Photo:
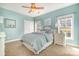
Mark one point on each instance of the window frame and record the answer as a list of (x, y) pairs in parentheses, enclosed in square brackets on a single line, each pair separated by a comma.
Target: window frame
[(72, 24)]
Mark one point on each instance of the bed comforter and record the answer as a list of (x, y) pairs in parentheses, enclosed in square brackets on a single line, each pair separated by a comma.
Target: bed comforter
[(36, 40)]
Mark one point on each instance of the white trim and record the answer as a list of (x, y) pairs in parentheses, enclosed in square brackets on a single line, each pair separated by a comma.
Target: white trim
[(12, 40), (74, 45)]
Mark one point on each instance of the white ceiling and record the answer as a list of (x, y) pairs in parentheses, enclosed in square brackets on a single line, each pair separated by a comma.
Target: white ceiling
[(48, 7)]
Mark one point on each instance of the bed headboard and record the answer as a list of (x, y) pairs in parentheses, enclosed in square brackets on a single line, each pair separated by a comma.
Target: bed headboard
[(46, 26), (48, 29)]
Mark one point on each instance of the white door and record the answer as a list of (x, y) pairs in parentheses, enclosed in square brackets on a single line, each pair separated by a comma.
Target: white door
[(28, 26)]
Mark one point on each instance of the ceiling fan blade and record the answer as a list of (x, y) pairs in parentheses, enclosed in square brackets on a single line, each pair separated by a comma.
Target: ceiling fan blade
[(39, 7), (26, 7)]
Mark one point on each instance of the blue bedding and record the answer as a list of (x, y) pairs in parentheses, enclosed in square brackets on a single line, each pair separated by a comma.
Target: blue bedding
[(36, 40)]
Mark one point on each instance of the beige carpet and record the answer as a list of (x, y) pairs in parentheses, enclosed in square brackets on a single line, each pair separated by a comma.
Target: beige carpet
[(18, 49)]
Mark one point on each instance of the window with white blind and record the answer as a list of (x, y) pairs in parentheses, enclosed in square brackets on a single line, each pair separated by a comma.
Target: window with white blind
[(65, 24)]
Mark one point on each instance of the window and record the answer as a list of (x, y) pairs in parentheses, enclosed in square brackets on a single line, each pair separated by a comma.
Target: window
[(28, 26), (38, 27), (65, 24)]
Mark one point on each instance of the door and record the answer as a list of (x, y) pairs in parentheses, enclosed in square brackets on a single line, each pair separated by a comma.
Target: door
[(28, 26)]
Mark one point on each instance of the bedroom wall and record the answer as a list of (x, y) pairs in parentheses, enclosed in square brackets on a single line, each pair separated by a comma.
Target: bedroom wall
[(0, 23), (13, 33), (0, 27), (67, 10)]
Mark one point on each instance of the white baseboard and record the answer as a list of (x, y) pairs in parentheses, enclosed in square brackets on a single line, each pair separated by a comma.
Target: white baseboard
[(12, 40), (74, 45)]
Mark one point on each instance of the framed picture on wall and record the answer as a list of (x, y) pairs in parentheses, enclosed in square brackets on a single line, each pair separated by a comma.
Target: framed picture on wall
[(10, 23)]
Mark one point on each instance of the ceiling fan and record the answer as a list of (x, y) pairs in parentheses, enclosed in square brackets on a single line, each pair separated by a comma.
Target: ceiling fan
[(33, 7)]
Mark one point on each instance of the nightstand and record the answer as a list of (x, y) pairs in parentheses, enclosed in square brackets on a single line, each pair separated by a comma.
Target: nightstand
[(59, 38)]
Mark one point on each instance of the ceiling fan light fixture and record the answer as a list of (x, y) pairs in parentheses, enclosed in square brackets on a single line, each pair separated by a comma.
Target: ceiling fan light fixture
[(33, 10), (33, 7)]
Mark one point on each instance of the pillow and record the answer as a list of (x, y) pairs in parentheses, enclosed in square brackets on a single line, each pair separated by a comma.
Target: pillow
[(43, 31)]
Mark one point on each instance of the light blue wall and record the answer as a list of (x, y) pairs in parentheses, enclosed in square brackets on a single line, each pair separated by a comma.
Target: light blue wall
[(67, 10), (0, 23), (0, 27), (18, 31), (13, 33)]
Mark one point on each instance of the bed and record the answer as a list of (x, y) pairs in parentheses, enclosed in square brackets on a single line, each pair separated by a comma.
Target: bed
[(37, 41)]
